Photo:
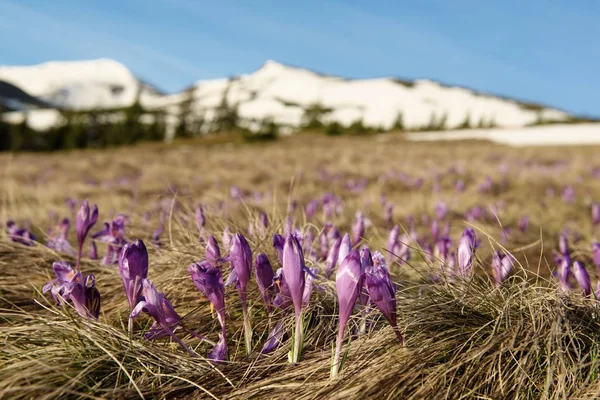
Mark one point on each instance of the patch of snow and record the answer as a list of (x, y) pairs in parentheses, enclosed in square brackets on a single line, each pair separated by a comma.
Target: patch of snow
[(543, 135)]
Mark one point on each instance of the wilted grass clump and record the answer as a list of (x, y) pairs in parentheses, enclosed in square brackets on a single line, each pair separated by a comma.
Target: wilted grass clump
[(466, 336)]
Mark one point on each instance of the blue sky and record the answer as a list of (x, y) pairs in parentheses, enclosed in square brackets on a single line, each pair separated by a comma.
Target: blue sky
[(540, 50)]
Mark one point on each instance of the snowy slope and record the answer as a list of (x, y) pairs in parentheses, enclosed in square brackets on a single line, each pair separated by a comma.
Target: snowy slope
[(283, 93), (79, 85), (544, 135), (280, 93)]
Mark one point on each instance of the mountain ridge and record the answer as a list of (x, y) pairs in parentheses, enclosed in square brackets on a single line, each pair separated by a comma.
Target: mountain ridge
[(280, 93)]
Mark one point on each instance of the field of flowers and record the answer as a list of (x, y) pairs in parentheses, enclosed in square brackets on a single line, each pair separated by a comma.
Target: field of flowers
[(312, 267)]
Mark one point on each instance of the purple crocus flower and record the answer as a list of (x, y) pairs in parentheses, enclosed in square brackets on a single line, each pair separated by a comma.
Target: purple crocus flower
[(200, 219), (501, 266), (435, 230), (160, 309), (366, 261), (348, 283), (240, 256), (466, 250), (226, 238), (57, 238), (596, 255), (382, 291), (332, 257), (209, 281), (71, 285), (389, 213), (85, 220), (294, 272), (213, 253), (278, 243), (311, 209), (392, 241), (156, 236), (595, 213), (582, 277), (17, 235), (133, 268), (345, 247), (358, 228), (274, 338), (263, 272), (263, 223), (524, 223), (441, 209), (568, 195)]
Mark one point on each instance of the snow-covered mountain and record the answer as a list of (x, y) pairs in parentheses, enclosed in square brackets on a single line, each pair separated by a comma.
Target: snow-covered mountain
[(280, 93)]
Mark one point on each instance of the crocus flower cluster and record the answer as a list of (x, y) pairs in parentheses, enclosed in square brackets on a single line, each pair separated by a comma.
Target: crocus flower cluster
[(19, 235)]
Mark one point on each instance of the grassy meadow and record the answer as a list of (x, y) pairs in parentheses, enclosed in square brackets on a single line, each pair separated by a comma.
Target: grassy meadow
[(466, 337)]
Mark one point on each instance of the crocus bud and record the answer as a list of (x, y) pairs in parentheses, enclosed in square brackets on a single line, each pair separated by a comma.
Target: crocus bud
[(293, 269), (392, 241), (345, 247), (358, 228), (348, 282), (133, 268), (209, 281), (582, 278), (240, 256), (382, 291), (524, 223), (85, 220), (278, 243), (501, 266), (213, 253), (263, 271), (466, 249), (595, 213), (332, 257)]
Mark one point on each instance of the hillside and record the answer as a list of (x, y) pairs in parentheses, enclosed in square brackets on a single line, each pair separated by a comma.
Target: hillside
[(286, 95)]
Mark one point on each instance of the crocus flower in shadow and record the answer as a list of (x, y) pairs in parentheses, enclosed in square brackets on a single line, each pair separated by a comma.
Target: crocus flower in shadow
[(160, 309), (382, 291), (348, 283), (213, 252), (263, 272), (278, 243), (71, 285), (240, 257), (17, 235), (85, 220), (209, 281)]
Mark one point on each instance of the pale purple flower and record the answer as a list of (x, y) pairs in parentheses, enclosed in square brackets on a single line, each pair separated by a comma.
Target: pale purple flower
[(332, 257), (345, 247), (582, 277), (501, 266), (311, 209), (294, 272), (213, 253), (200, 219), (441, 209), (382, 291), (523, 223), (358, 228), (133, 268), (595, 213), (226, 238), (466, 250), (568, 195), (348, 283), (389, 213), (57, 238), (278, 243), (240, 257), (85, 220)]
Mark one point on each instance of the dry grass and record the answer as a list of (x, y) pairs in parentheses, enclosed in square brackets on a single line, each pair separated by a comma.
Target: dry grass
[(465, 339)]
